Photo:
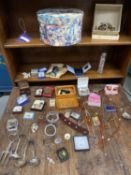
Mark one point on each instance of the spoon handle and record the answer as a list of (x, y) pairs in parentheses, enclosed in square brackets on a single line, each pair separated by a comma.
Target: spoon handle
[(17, 146), (24, 154)]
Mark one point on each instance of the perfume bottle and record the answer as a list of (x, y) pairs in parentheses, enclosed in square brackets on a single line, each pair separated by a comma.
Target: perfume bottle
[(102, 63)]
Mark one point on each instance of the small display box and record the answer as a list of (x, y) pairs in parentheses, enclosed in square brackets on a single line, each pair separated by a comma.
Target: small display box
[(107, 21), (82, 86), (66, 97), (24, 87)]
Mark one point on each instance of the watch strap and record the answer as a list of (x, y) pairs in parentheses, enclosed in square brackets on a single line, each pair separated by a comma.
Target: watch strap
[(73, 125)]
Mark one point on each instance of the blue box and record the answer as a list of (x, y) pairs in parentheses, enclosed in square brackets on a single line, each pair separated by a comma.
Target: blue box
[(5, 81), (129, 71)]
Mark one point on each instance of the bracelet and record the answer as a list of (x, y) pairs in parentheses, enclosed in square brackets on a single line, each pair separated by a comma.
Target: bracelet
[(52, 117), (50, 130), (73, 125)]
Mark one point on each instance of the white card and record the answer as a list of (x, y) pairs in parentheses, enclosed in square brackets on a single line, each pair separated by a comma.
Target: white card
[(52, 102), (86, 67), (82, 82), (70, 69), (29, 115)]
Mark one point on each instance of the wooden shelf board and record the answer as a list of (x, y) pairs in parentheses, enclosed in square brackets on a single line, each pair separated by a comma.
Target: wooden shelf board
[(86, 41), (110, 72)]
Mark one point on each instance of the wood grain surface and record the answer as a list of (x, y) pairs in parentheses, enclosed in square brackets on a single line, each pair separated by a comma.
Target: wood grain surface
[(114, 159)]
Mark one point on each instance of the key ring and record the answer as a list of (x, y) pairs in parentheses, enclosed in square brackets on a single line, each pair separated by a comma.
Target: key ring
[(22, 24)]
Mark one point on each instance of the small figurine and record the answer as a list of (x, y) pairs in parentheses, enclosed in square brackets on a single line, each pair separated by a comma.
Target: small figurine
[(102, 62)]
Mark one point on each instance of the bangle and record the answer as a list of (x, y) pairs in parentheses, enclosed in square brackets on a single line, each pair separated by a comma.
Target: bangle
[(52, 117), (50, 130)]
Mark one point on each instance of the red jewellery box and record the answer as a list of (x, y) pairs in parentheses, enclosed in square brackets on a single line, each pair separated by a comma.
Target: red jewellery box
[(48, 91)]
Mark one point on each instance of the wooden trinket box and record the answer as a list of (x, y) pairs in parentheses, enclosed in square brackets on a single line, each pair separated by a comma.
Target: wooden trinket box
[(66, 97)]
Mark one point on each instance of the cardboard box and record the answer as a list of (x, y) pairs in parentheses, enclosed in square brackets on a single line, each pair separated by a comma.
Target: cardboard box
[(110, 15)]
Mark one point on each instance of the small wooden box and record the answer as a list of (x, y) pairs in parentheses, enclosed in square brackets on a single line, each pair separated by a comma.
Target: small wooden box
[(66, 97), (24, 87)]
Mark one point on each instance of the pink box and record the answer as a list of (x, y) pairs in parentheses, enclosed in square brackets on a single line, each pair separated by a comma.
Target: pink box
[(94, 100)]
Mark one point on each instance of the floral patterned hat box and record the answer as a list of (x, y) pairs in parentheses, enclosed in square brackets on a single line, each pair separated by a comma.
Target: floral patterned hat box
[(60, 27)]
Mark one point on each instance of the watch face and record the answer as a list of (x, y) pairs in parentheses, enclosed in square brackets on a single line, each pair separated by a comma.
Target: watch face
[(62, 154), (81, 143), (75, 115)]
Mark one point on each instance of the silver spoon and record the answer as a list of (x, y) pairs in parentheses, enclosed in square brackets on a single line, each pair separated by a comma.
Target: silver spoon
[(22, 162), (35, 161), (15, 154)]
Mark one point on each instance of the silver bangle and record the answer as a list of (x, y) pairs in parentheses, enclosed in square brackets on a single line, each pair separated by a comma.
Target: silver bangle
[(52, 117), (48, 128)]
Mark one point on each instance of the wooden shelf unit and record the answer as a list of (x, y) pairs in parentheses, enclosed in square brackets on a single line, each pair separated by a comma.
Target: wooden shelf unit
[(21, 57), (86, 41), (110, 72)]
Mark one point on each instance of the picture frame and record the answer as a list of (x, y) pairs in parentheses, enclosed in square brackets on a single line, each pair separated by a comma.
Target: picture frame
[(38, 105), (81, 143)]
